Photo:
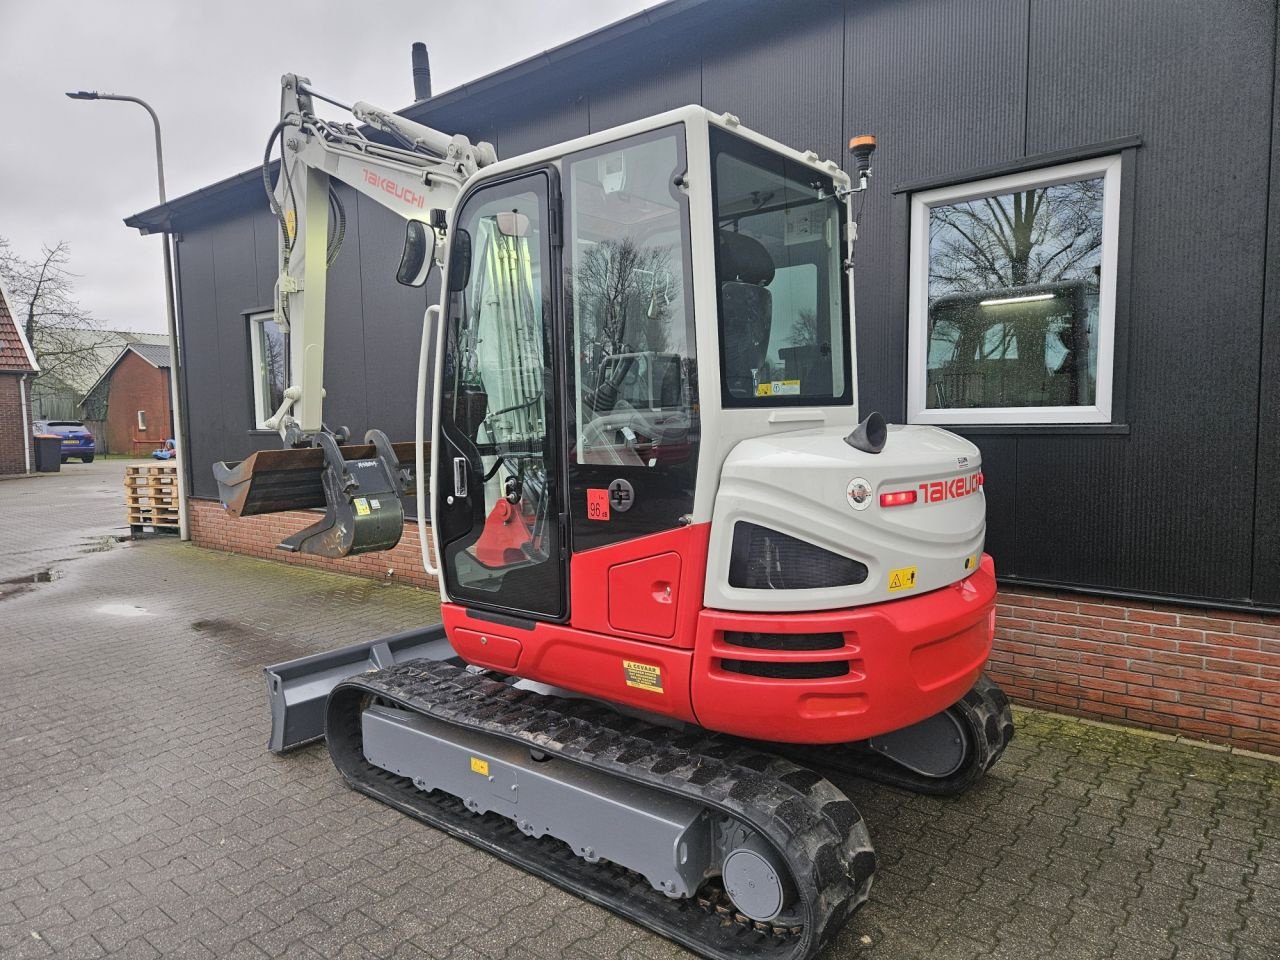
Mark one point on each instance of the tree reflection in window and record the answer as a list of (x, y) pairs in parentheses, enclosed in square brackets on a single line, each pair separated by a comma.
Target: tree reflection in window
[(1013, 297)]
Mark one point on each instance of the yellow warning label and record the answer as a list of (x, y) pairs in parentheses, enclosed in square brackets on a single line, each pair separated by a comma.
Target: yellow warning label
[(362, 506), (904, 578), (290, 223), (480, 766), (778, 388), (971, 562), (643, 675)]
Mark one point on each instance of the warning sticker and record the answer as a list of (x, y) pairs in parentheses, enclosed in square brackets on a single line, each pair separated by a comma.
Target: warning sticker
[(904, 578), (971, 562), (362, 506), (598, 503), (645, 676), (778, 388), (480, 766)]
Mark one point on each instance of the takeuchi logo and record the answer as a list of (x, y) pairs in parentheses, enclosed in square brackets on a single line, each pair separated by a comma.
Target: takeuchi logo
[(399, 191), (940, 490)]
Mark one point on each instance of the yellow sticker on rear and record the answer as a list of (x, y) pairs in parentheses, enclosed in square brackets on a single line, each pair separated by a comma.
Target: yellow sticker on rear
[(971, 562), (480, 766), (904, 578), (778, 388), (644, 676), (362, 506)]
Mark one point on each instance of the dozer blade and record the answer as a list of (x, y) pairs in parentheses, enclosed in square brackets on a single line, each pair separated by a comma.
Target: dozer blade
[(359, 486), (299, 688)]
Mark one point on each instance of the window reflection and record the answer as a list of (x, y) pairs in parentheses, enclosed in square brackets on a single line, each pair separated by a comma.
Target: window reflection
[(633, 354), (1013, 298)]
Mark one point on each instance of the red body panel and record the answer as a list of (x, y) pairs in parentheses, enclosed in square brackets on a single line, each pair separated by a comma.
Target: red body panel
[(595, 607), (639, 636), (908, 659)]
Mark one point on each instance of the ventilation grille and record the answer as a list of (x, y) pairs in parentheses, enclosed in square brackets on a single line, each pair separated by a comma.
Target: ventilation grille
[(788, 671), (763, 559), (785, 641)]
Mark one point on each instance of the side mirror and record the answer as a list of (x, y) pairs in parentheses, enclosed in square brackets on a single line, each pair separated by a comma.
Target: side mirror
[(419, 249)]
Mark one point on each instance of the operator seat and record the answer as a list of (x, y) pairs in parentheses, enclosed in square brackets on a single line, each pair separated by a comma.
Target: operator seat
[(744, 270)]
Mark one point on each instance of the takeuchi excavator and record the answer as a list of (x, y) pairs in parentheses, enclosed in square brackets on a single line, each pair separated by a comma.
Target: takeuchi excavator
[(681, 578)]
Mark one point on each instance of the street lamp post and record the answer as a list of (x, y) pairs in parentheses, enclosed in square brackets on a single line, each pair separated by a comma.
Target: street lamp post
[(176, 380)]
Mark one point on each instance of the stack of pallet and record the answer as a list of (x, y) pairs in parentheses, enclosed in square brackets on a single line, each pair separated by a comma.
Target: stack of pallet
[(151, 496)]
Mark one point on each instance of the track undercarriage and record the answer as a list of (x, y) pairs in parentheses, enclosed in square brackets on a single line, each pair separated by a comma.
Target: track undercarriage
[(727, 847)]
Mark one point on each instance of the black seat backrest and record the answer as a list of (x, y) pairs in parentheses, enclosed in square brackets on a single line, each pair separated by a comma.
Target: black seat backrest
[(745, 270)]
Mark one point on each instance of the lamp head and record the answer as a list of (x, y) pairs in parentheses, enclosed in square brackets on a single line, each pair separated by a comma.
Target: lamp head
[(83, 94)]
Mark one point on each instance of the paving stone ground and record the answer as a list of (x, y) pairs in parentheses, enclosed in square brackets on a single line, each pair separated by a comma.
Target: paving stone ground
[(142, 816)]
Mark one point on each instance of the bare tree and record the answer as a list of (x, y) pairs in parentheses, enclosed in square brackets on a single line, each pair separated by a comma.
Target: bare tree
[(623, 293), (1045, 235), (64, 336)]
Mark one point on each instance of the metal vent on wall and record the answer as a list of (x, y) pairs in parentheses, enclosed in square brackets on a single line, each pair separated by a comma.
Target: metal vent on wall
[(764, 559)]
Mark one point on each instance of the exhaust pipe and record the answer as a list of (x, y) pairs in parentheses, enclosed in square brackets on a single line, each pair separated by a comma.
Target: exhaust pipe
[(421, 73)]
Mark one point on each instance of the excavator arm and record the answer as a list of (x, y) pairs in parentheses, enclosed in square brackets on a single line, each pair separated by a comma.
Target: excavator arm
[(419, 177)]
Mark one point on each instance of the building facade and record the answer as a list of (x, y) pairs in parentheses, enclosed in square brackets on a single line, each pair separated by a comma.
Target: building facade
[(17, 368), (131, 401), (1067, 254)]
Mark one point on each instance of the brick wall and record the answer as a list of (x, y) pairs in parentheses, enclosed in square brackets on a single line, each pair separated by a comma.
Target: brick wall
[(213, 527), (14, 440), (1209, 674), (137, 385)]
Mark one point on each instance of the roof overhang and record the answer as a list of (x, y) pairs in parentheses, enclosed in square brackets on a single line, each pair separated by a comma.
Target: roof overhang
[(22, 336)]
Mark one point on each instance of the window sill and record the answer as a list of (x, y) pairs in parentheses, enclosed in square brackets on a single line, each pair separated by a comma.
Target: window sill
[(1037, 429)]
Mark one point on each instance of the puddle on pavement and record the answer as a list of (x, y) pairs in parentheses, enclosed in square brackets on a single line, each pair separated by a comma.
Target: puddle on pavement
[(223, 629), (102, 544), (123, 610), (16, 585), (246, 643)]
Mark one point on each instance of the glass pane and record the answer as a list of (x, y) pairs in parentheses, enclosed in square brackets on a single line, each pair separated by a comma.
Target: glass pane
[(628, 294), (497, 378), (272, 353), (783, 321), (1013, 298)]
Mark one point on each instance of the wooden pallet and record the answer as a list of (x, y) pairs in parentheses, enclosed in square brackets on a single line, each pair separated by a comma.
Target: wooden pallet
[(151, 497)]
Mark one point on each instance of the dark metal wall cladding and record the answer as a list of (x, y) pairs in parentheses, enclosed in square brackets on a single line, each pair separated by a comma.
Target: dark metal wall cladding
[(941, 84), (1266, 559), (1187, 504), (1173, 73)]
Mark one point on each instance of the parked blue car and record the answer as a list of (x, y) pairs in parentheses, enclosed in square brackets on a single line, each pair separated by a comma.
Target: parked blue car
[(76, 440)]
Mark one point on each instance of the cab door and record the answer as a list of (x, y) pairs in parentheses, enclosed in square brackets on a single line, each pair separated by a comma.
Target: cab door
[(499, 477)]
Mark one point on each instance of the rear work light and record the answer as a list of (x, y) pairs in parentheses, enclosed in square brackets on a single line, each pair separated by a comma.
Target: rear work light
[(899, 498)]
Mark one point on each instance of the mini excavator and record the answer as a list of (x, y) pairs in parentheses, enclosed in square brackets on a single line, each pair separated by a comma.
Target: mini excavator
[(681, 579)]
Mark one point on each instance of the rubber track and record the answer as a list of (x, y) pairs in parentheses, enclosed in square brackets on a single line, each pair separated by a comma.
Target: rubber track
[(817, 829), (983, 711)]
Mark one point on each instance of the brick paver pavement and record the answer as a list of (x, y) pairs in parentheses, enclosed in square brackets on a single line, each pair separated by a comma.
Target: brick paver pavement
[(142, 816)]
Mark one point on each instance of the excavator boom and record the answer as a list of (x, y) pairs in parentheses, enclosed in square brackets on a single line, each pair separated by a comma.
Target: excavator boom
[(419, 178)]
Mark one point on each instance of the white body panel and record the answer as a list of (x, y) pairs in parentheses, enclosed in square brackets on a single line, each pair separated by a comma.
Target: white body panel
[(798, 483)]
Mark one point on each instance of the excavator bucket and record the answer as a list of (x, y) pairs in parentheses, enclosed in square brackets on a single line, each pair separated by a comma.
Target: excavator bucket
[(359, 486)]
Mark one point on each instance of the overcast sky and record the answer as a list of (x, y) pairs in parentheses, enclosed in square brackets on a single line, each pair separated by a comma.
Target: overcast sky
[(72, 170)]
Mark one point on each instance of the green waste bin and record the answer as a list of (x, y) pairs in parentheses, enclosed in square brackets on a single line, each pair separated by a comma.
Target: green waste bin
[(48, 453)]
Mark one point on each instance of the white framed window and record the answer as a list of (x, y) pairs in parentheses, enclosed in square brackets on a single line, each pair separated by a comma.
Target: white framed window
[(268, 351), (1012, 298), (142, 421)]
